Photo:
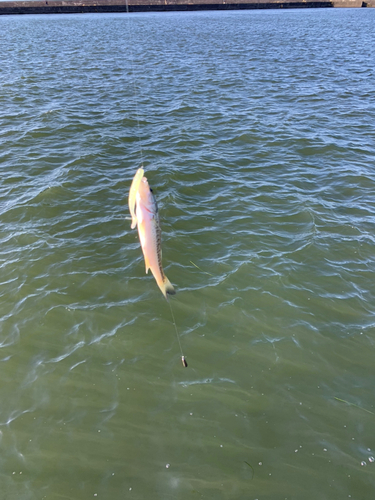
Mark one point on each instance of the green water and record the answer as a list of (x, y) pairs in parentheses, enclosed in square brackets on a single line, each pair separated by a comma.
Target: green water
[(256, 132)]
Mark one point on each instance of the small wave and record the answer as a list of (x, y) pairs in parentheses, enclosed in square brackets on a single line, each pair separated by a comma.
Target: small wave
[(206, 381), (67, 353)]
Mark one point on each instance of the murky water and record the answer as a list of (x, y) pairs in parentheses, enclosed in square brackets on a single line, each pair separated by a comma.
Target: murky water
[(256, 130)]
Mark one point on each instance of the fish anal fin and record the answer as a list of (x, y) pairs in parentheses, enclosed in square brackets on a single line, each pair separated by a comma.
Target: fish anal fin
[(147, 264)]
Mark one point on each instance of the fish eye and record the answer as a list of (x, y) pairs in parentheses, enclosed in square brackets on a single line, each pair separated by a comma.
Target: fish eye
[(151, 190)]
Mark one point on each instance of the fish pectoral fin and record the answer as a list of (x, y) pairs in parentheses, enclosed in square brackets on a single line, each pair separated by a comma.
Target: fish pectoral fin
[(134, 223)]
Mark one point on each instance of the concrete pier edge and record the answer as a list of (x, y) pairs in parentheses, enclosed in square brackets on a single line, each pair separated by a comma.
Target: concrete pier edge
[(84, 6)]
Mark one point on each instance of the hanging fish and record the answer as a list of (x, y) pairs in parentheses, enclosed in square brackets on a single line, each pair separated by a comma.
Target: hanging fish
[(144, 211)]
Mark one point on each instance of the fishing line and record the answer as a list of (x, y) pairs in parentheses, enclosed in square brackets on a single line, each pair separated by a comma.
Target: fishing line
[(183, 360), (133, 81)]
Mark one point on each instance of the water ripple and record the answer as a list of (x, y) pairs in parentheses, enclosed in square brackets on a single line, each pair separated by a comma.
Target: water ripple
[(256, 133)]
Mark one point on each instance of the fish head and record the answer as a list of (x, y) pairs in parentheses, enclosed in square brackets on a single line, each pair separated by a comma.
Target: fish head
[(145, 196), (143, 188)]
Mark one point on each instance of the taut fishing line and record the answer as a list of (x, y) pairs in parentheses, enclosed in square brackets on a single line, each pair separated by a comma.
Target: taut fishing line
[(133, 81), (184, 363), (183, 360)]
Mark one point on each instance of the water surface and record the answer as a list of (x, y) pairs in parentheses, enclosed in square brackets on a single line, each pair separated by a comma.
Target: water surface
[(256, 130)]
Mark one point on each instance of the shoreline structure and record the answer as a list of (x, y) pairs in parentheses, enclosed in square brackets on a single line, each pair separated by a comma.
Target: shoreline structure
[(84, 6)]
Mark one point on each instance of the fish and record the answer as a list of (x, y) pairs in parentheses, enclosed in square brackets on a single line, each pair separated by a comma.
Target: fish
[(147, 220), (133, 193)]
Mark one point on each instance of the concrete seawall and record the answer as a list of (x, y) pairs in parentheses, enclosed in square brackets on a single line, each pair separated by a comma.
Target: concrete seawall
[(82, 6)]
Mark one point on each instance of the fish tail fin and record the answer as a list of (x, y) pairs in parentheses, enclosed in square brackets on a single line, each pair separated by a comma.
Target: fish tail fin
[(167, 288)]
